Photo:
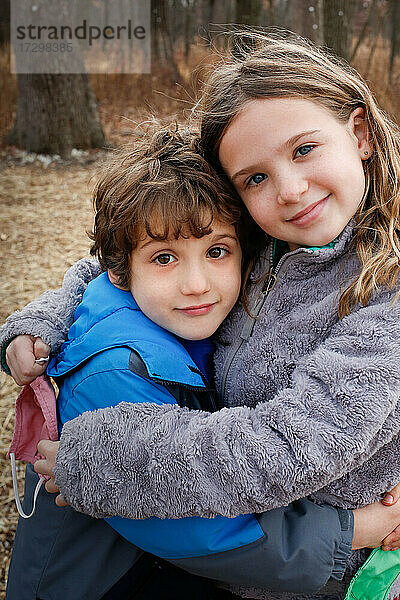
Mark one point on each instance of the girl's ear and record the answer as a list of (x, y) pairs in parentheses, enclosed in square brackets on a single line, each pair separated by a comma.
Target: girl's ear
[(114, 279), (359, 128)]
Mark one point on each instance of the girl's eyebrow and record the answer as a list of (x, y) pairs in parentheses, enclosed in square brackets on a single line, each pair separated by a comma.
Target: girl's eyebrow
[(298, 136), (286, 144)]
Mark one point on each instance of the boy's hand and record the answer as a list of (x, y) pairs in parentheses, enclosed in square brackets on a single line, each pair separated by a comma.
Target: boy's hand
[(21, 356), (45, 466)]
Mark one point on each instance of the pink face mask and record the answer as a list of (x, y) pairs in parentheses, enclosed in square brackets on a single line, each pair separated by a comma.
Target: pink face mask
[(35, 420)]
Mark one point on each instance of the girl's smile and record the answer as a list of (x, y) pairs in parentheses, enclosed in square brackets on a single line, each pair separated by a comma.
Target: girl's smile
[(297, 168), (309, 214)]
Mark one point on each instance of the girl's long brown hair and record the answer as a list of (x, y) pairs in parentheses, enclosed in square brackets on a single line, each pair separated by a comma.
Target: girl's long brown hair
[(282, 65)]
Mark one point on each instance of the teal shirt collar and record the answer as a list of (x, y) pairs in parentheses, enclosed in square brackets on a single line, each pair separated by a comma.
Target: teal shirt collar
[(280, 248)]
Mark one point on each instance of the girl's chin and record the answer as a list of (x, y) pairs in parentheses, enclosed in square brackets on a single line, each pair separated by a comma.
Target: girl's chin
[(314, 242)]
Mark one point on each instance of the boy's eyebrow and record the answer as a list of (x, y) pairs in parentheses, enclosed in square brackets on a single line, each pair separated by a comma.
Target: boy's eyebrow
[(287, 144), (214, 238), (221, 236), (151, 241)]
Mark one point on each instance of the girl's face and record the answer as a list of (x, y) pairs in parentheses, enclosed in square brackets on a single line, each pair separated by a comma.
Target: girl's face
[(298, 169)]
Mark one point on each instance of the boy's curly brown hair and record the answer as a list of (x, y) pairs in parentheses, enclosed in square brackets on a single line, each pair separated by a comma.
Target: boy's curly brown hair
[(163, 187)]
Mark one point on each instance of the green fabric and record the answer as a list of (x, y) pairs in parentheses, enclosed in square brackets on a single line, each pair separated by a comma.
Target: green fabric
[(280, 248), (330, 245), (375, 578)]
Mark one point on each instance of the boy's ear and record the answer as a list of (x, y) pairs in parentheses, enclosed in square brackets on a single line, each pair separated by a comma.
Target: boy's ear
[(114, 279), (359, 128)]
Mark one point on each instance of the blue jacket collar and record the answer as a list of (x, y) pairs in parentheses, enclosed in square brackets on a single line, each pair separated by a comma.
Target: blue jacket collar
[(108, 318)]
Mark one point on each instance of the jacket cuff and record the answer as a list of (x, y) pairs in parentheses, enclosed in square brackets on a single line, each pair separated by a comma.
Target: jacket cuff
[(4, 365), (344, 548), (36, 326)]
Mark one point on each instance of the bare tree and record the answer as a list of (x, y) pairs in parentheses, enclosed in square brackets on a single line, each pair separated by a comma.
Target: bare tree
[(56, 113), (313, 20), (248, 12), (338, 16), (378, 27), (162, 50), (394, 47), (4, 21), (364, 29)]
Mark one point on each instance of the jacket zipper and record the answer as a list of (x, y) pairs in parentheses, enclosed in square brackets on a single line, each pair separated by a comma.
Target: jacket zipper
[(249, 322)]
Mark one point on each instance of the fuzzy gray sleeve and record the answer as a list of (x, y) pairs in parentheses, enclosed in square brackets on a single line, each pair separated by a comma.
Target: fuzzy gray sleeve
[(51, 315), (342, 407)]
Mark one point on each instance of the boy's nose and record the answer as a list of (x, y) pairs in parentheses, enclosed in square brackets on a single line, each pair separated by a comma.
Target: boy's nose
[(195, 281)]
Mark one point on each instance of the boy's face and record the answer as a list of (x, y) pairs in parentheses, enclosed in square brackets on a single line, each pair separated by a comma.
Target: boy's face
[(188, 286)]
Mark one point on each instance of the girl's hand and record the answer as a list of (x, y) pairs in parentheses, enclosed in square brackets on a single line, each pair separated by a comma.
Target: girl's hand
[(392, 541), (391, 497), (45, 466), (377, 525), (21, 356)]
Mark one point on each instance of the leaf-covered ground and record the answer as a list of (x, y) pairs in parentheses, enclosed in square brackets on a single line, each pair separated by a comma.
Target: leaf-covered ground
[(44, 213)]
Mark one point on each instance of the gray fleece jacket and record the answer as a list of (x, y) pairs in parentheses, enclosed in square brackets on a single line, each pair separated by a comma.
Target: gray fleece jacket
[(313, 408)]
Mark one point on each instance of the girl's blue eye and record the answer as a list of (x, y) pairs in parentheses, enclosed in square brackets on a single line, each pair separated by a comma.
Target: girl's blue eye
[(164, 259), (217, 252), (256, 179), (304, 150)]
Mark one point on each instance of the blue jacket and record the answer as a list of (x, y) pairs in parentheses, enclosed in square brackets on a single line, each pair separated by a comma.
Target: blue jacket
[(114, 351)]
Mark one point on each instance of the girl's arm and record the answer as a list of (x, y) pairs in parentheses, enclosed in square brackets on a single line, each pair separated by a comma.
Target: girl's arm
[(343, 407), (291, 541), (51, 315)]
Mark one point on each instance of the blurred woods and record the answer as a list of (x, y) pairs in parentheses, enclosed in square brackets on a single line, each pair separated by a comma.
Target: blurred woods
[(52, 114), (45, 211)]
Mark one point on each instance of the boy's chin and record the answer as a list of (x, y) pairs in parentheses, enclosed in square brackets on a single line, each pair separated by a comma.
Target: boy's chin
[(197, 336)]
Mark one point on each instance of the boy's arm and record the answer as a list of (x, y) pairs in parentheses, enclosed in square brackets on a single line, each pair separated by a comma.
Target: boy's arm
[(343, 406), (50, 316)]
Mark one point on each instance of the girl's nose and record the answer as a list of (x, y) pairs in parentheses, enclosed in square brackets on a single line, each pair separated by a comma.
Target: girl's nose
[(195, 281), (290, 188)]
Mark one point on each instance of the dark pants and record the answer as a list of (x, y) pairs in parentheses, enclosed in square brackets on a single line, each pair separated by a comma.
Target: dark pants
[(155, 579), (60, 554)]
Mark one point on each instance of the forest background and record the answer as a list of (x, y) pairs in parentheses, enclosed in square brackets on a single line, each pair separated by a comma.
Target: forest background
[(47, 169)]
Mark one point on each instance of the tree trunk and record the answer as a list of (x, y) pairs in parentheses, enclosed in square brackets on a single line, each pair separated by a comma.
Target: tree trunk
[(248, 12), (313, 21), (4, 22), (162, 51), (187, 30), (337, 25), (394, 46), (364, 29), (56, 113)]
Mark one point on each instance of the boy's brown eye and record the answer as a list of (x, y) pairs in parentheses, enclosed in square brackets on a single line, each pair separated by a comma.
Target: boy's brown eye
[(217, 252), (164, 259)]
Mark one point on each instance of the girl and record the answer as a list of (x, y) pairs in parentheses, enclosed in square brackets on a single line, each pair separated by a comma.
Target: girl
[(310, 372)]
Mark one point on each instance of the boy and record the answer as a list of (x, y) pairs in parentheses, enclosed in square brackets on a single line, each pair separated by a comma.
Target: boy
[(166, 234)]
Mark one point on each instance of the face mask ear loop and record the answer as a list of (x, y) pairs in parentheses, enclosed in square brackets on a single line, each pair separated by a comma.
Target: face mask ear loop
[(15, 486)]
